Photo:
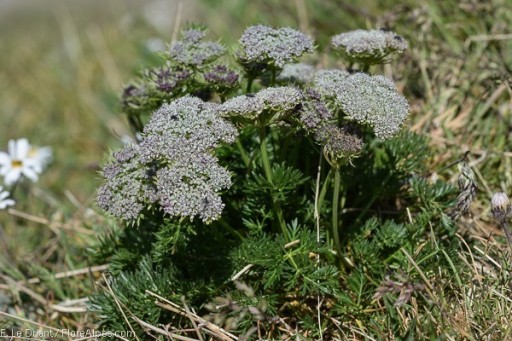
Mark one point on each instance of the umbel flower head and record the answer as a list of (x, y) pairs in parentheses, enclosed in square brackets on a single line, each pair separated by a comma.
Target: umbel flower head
[(299, 73), (273, 47), (23, 160), (327, 82), (339, 142), (369, 47), (273, 100), (165, 79), (314, 115), (184, 128), (316, 118), (192, 51), (373, 100), (128, 185), (173, 166)]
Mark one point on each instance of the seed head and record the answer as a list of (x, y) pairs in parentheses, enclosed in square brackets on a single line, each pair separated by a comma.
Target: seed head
[(500, 201), (369, 47), (500, 207), (467, 190)]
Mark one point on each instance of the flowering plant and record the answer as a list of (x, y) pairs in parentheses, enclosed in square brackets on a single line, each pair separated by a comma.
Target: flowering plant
[(245, 168)]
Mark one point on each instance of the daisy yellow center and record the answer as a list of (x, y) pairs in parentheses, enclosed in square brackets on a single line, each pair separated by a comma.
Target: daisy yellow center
[(16, 163)]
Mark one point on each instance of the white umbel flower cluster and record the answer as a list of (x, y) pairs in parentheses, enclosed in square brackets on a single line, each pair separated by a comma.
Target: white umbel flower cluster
[(327, 82), (373, 100), (278, 100), (369, 46), (173, 167), (299, 73), (278, 47)]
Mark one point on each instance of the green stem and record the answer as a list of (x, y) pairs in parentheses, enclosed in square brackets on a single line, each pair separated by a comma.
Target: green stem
[(268, 173), (249, 85), (245, 158), (273, 79), (321, 198), (335, 206), (229, 229), (323, 191)]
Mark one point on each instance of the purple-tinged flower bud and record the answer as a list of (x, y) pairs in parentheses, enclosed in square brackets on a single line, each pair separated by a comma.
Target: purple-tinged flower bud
[(193, 51), (314, 114), (221, 78)]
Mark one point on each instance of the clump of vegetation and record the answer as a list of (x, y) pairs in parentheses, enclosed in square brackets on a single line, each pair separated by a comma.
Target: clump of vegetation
[(289, 181)]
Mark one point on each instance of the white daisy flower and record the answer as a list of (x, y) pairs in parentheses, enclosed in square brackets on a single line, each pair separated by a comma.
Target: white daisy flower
[(41, 154), (4, 201), (22, 160)]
